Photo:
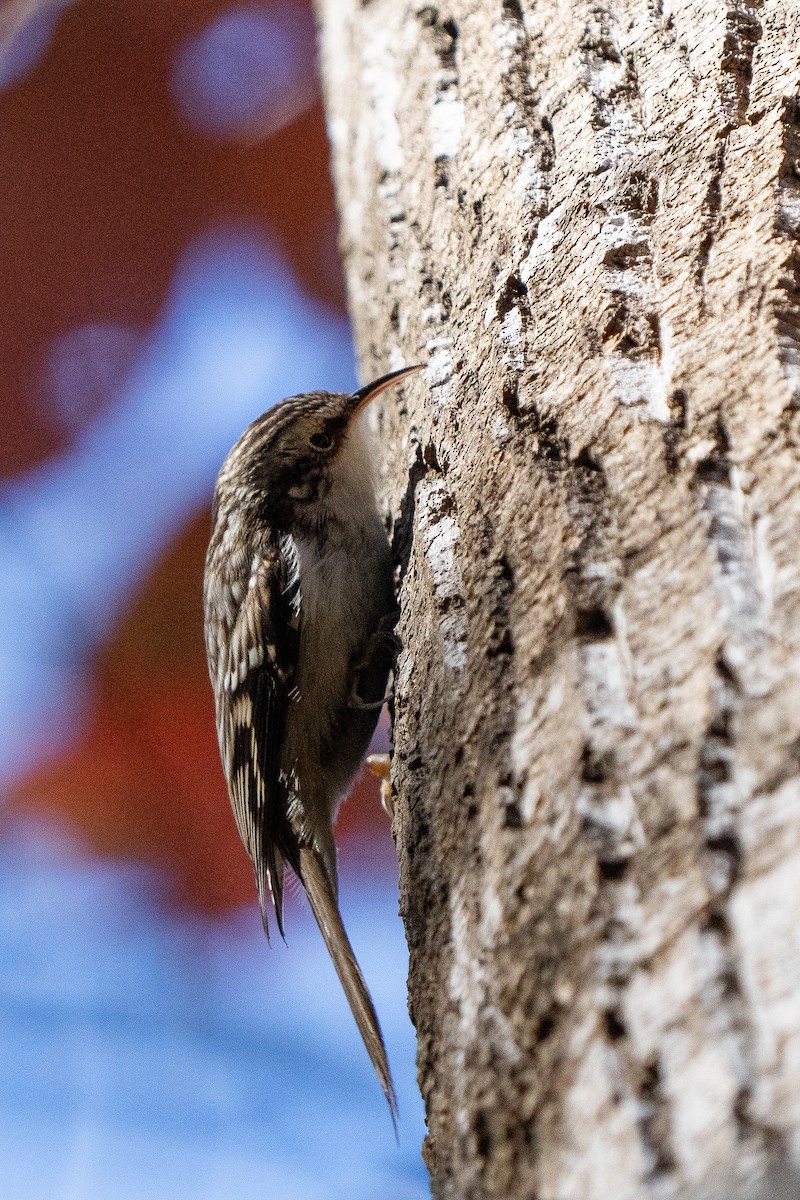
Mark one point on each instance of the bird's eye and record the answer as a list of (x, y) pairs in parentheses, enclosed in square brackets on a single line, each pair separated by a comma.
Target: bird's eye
[(322, 440)]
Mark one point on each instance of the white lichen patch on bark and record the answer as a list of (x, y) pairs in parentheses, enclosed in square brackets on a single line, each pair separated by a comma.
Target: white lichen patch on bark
[(440, 539)]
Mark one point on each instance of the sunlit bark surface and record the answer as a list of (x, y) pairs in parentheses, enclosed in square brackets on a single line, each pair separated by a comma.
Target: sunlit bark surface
[(585, 216)]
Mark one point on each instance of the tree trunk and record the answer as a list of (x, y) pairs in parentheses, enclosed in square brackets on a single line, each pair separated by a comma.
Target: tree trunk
[(585, 217)]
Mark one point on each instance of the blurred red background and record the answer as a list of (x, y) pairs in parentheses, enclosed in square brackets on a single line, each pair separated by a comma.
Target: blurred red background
[(104, 185), (168, 270)]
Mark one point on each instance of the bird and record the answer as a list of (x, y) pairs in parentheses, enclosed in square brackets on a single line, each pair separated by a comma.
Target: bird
[(299, 612)]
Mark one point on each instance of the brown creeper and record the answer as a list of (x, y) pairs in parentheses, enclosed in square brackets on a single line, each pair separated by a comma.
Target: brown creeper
[(299, 606)]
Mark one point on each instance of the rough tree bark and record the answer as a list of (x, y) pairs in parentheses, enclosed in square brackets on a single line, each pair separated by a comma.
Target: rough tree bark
[(585, 216)]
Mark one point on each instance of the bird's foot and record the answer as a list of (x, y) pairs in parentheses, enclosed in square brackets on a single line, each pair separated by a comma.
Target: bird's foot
[(374, 658), (355, 701), (379, 765)]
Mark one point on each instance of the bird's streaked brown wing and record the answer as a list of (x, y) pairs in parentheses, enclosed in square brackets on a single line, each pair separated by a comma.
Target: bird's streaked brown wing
[(260, 663)]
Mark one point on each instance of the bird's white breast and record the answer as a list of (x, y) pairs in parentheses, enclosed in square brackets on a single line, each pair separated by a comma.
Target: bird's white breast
[(342, 598)]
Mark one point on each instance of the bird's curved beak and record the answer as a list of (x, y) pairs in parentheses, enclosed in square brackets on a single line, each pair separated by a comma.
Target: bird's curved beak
[(366, 394)]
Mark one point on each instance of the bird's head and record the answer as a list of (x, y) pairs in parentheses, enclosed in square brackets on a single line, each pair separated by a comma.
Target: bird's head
[(293, 456)]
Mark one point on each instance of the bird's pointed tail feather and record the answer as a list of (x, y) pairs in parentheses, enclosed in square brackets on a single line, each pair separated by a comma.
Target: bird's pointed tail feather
[(326, 911), (269, 879)]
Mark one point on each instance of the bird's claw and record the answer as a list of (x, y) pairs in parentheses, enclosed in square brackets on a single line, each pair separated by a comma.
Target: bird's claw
[(367, 705), (379, 765)]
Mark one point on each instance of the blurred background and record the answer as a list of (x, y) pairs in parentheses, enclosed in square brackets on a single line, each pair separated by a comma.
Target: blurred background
[(168, 269)]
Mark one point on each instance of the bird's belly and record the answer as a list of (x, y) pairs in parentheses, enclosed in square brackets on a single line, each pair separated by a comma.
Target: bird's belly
[(343, 598)]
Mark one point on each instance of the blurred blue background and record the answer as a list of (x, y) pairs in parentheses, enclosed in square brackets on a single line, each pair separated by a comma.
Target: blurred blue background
[(168, 265)]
